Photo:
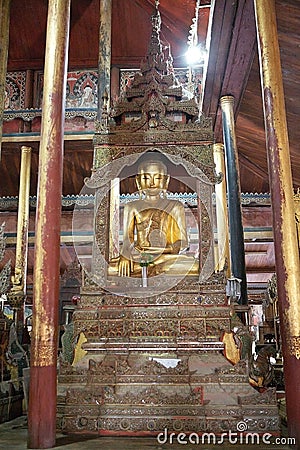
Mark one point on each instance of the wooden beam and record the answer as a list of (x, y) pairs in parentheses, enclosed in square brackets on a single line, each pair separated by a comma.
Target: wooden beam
[(231, 54), (219, 35)]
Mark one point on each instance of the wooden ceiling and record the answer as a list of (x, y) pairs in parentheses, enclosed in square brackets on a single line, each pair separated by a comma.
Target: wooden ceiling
[(232, 69)]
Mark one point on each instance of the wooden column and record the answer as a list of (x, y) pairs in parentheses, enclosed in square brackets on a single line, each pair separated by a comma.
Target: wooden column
[(17, 294), (23, 217), (104, 59), (221, 211), (237, 250), (4, 40), (43, 374), (284, 226)]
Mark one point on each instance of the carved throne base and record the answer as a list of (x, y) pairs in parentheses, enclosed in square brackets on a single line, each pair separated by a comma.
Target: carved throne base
[(157, 363)]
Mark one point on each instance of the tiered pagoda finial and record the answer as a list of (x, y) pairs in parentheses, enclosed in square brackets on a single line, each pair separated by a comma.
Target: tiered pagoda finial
[(154, 99)]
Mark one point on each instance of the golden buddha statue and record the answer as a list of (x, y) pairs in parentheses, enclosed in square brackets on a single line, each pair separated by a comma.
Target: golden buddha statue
[(154, 226)]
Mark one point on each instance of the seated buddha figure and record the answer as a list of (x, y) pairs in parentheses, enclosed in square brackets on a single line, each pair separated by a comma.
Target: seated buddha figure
[(154, 226)]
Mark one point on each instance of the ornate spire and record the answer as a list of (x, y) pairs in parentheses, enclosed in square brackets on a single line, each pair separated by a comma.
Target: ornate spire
[(154, 98), (158, 56)]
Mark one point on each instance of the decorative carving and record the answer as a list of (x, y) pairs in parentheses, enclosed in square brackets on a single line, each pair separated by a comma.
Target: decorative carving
[(197, 160), (152, 367), (89, 199), (152, 425), (267, 397), (261, 424), (15, 91), (5, 273), (69, 374), (68, 343), (29, 114), (293, 342), (294, 345), (85, 396), (73, 272), (155, 396), (193, 328)]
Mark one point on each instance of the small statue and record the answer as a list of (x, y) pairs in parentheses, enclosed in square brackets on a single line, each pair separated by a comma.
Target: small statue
[(17, 279), (238, 342), (68, 343), (261, 371), (16, 355)]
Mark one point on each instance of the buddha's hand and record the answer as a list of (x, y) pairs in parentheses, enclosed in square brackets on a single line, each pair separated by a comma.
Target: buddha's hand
[(125, 267), (173, 248)]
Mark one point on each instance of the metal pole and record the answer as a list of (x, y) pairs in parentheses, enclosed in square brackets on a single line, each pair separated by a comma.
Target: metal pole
[(43, 370), (281, 188)]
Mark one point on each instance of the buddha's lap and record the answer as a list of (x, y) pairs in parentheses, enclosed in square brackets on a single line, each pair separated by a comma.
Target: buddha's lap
[(169, 264)]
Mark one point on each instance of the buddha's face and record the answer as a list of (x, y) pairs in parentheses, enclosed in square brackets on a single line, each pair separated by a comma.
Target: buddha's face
[(152, 178)]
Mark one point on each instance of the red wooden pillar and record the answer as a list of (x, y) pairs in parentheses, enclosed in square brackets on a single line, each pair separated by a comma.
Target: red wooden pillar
[(43, 373), (4, 40), (284, 225)]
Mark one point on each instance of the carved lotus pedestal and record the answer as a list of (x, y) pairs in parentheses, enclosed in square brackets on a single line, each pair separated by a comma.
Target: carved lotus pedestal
[(155, 363)]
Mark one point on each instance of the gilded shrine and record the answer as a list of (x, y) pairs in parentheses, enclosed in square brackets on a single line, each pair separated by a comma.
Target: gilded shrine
[(148, 350)]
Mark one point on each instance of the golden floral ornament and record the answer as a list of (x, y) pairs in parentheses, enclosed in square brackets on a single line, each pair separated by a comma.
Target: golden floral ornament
[(294, 346)]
